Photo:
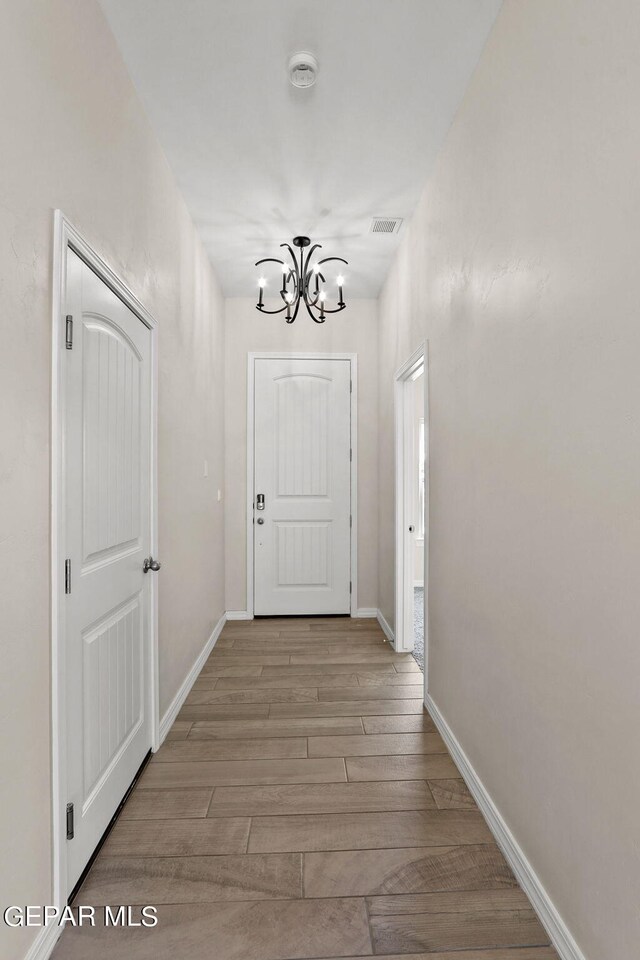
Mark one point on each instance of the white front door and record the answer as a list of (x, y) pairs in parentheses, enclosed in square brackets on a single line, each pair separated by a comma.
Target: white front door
[(302, 486), (107, 537)]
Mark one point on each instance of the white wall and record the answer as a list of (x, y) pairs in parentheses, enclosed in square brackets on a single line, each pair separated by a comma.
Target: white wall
[(75, 137), (354, 331), (520, 268)]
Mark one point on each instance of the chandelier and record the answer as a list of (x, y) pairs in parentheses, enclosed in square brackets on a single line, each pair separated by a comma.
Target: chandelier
[(303, 282)]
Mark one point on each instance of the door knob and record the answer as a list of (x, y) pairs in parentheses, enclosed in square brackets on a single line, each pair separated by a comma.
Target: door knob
[(411, 528), (260, 520), (150, 564)]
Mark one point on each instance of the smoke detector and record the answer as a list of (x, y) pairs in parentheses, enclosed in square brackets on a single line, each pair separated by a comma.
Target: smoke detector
[(303, 69)]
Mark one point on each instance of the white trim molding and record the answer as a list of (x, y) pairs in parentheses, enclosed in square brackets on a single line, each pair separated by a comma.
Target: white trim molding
[(386, 629), (173, 709), (238, 615), (252, 356), (559, 933), (366, 612), (46, 939)]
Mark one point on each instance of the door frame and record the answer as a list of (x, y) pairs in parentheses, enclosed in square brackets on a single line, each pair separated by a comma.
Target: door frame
[(251, 372), (404, 445), (67, 237)]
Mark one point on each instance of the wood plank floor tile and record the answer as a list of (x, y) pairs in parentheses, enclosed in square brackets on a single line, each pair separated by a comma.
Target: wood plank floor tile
[(345, 708), (464, 931), (367, 679), (260, 930), (325, 668), (177, 838), (429, 767), (255, 695), (379, 691), (238, 711), (382, 744), (451, 902), (285, 800), (179, 730), (167, 804), (288, 681), (409, 870), (237, 772), (517, 953), (358, 831), (214, 671), (417, 723), (314, 646), (191, 879), (276, 748), (408, 666), (223, 659), (274, 727), (452, 795), (382, 656)]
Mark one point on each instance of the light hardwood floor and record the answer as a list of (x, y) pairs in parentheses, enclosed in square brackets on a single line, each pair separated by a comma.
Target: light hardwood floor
[(305, 806)]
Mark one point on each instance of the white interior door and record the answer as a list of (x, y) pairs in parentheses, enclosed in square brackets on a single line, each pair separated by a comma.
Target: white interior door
[(107, 537), (302, 444)]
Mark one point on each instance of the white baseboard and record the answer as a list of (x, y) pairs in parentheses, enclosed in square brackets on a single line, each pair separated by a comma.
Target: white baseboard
[(238, 615), (45, 941), (388, 632), (367, 612), (175, 705), (559, 933)]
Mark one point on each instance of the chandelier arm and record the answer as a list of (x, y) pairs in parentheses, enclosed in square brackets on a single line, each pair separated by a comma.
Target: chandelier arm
[(328, 259), (311, 314), (279, 310), (335, 310), (295, 312), (271, 260), (307, 272)]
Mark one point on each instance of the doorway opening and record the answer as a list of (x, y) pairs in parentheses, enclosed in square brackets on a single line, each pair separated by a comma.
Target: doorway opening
[(412, 487)]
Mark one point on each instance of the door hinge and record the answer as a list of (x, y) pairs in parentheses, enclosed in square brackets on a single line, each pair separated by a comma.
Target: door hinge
[(70, 822), (351, 521), (350, 386), (67, 576), (350, 587), (350, 456), (68, 340)]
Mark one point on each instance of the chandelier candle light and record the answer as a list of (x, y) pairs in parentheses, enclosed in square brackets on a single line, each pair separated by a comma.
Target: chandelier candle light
[(303, 282)]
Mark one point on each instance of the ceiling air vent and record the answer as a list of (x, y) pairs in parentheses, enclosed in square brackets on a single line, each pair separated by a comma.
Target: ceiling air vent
[(386, 224)]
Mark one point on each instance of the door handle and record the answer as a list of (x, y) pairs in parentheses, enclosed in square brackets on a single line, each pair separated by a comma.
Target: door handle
[(411, 528), (150, 564), (260, 520)]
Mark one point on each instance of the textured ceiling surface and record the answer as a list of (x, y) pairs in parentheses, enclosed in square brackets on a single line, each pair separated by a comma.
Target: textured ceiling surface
[(258, 160)]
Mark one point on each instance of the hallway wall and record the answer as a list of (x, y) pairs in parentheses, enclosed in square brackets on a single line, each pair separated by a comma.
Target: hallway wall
[(355, 331), (520, 269), (75, 137)]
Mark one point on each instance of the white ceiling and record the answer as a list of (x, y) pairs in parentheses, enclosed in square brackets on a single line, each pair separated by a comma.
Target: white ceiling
[(259, 161)]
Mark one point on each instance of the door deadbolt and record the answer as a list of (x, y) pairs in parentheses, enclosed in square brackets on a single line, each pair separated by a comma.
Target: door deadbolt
[(260, 501)]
